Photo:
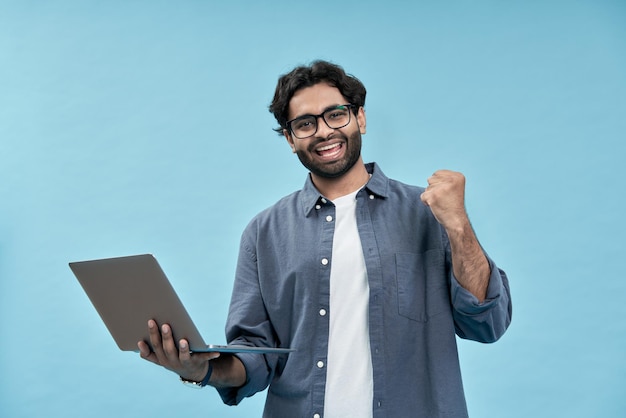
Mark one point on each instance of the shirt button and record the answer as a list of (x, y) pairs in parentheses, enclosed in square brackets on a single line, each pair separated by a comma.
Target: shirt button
[(320, 364), (318, 207), (371, 197), (324, 200), (329, 218), (317, 416), (322, 312), (324, 261)]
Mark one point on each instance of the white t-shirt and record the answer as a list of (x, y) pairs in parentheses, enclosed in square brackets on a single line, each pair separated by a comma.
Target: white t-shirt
[(349, 381)]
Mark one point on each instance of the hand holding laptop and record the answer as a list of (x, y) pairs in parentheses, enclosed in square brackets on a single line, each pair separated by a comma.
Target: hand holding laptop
[(133, 296), (189, 366)]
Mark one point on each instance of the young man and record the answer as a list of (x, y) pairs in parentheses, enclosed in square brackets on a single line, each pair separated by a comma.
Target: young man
[(367, 278)]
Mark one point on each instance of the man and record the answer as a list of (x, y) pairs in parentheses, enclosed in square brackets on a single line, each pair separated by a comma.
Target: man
[(367, 278)]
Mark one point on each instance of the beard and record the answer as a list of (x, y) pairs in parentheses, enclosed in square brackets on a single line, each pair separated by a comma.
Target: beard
[(337, 168)]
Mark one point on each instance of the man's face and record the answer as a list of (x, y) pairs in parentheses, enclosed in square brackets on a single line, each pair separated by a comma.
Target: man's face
[(330, 153)]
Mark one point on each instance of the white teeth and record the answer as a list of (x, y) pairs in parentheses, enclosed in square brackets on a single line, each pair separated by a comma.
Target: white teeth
[(327, 147)]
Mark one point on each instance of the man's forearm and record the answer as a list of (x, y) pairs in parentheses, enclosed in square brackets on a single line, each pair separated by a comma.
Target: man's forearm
[(228, 371), (469, 263)]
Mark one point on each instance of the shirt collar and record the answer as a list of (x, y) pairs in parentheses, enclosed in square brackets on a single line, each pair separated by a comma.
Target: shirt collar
[(377, 186)]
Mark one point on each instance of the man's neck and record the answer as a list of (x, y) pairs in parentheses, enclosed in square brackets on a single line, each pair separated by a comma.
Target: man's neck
[(351, 181)]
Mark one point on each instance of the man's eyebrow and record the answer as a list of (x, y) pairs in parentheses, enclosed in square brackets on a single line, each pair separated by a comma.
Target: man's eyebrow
[(331, 107)]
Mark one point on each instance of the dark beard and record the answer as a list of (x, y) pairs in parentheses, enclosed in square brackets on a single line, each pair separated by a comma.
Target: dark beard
[(337, 168)]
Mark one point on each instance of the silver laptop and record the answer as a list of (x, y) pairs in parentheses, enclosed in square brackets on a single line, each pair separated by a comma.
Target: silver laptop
[(129, 291)]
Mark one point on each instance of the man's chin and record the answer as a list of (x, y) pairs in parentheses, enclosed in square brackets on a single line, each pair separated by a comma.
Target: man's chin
[(331, 170)]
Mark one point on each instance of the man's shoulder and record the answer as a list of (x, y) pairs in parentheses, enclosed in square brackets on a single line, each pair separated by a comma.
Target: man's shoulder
[(386, 185), (401, 185), (401, 190)]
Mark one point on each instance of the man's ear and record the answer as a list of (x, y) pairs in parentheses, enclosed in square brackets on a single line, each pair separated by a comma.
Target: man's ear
[(361, 120), (289, 139)]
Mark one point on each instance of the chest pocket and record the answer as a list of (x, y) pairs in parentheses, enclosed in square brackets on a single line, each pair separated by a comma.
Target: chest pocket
[(422, 284)]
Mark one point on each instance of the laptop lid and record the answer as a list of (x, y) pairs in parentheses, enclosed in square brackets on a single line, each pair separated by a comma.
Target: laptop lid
[(129, 291)]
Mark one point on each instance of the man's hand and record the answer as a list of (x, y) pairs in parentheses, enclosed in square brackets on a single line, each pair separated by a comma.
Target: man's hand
[(187, 365), (445, 195)]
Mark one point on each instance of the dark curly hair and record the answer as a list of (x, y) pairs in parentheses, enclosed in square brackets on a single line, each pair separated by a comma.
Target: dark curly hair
[(306, 76)]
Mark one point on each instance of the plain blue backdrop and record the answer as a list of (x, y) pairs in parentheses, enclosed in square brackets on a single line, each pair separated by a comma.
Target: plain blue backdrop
[(142, 126)]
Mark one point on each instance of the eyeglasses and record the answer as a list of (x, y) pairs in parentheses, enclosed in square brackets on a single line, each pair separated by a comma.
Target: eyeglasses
[(305, 126)]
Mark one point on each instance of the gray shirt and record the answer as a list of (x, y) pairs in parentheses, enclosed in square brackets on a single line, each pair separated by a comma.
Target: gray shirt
[(281, 298)]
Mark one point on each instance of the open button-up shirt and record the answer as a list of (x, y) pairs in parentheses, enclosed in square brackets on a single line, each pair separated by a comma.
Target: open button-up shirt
[(416, 306)]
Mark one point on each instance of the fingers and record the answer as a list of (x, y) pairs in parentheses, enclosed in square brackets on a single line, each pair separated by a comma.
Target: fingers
[(184, 354), (450, 181), (187, 358), (157, 343), (168, 344), (155, 335), (424, 198), (163, 346), (445, 195), (177, 359), (144, 349), (446, 176)]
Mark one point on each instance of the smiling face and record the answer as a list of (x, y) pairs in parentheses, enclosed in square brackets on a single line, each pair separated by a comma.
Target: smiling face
[(330, 153)]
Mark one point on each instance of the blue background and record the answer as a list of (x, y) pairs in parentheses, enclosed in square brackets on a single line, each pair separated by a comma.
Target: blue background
[(142, 126)]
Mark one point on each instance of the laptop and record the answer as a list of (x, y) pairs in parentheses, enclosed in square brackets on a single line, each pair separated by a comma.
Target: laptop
[(129, 291)]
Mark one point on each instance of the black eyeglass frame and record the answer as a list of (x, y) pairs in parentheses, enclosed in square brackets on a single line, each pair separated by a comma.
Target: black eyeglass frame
[(321, 115)]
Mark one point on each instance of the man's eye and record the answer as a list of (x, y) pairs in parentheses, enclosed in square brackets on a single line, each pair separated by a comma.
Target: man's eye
[(303, 124), (335, 114)]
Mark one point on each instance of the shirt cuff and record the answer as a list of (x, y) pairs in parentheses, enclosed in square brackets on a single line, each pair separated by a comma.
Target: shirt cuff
[(466, 303)]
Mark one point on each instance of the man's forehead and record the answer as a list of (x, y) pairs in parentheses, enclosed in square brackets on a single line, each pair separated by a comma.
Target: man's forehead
[(314, 99)]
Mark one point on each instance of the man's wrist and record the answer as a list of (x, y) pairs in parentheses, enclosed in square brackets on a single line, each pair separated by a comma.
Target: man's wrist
[(202, 383)]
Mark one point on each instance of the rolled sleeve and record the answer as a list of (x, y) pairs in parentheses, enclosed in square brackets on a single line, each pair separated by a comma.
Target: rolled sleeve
[(482, 321)]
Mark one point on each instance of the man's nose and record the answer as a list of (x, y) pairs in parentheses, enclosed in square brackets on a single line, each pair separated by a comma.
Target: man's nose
[(323, 130)]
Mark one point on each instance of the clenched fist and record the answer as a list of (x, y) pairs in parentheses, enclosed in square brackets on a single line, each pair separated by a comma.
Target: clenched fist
[(445, 195)]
